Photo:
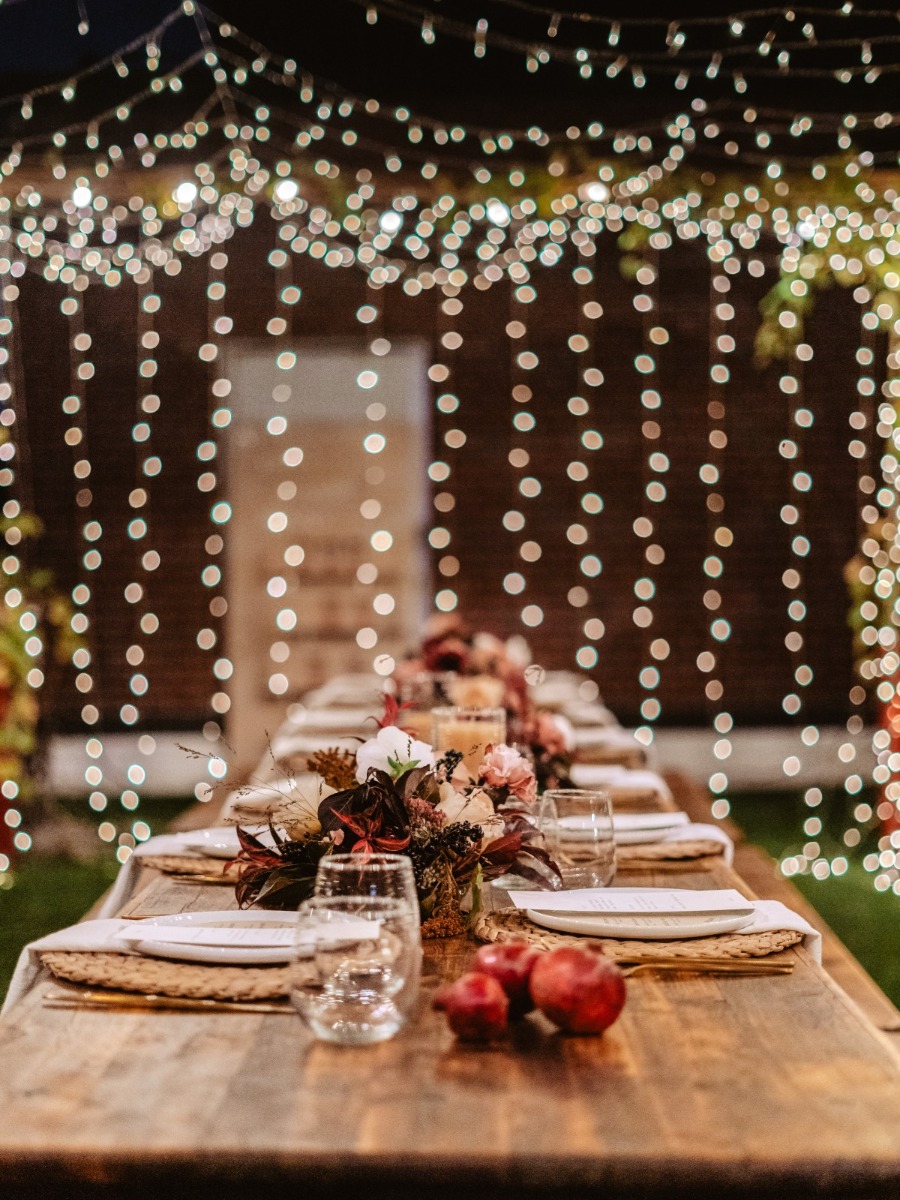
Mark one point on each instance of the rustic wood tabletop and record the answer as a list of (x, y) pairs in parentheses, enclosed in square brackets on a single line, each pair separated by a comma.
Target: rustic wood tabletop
[(705, 1086)]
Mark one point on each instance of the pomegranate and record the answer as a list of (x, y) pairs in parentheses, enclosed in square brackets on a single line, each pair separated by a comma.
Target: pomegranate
[(510, 963), (476, 1007), (578, 988)]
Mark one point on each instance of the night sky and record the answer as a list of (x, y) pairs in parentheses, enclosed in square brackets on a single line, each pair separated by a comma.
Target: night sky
[(39, 39)]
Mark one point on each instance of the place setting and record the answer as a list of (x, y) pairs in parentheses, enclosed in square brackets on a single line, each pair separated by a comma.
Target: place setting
[(348, 958)]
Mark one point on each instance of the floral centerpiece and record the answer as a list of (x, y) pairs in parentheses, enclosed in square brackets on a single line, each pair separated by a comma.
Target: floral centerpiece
[(394, 796), (494, 673)]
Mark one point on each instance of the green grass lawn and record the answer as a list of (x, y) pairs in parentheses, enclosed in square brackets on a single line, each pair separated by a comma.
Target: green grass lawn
[(42, 894), (48, 893), (868, 922)]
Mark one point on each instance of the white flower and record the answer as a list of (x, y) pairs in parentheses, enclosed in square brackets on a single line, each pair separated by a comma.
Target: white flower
[(477, 808), (393, 751)]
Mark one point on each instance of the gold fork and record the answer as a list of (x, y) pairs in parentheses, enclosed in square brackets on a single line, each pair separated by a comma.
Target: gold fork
[(715, 966)]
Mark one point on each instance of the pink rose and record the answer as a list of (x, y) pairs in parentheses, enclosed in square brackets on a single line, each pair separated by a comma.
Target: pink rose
[(505, 767), (552, 732)]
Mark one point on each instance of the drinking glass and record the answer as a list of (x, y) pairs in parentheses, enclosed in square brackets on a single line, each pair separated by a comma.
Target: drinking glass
[(389, 876), (356, 974), (423, 692), (468, 730), (578, 827)]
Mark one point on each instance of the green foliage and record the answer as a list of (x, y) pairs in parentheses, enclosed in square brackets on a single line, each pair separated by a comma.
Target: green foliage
[(35, 636), (866, 921)]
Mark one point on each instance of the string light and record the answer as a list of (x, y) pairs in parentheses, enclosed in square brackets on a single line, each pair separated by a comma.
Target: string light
[(582, 533), (219, 418), (443, 537), (793, 515), (719, 535), (658, 61), (521, 519), (437, 213), (654, 465)]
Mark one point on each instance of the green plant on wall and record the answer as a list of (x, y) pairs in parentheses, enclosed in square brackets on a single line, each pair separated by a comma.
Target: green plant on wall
[(36, 641)]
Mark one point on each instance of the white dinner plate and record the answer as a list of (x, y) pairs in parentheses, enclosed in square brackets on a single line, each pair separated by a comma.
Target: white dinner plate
[(626, 832), (657, 927), (155, 945), (213, 843)]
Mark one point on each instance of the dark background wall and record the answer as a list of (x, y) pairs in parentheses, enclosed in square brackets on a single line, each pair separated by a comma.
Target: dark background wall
[(756, 665)]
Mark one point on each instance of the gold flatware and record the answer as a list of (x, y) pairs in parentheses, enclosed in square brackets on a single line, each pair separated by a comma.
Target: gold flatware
[(134, 1001), (188, 877), (712, 967)]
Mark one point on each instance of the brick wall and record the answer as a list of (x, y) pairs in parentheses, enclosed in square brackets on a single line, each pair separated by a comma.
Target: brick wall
[(757, 666)]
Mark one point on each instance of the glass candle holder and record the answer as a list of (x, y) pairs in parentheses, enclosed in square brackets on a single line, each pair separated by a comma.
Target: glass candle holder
[(469, 731), (423, 692)]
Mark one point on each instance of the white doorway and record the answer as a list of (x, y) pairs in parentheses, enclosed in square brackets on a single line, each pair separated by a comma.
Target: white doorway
[(326, 567)]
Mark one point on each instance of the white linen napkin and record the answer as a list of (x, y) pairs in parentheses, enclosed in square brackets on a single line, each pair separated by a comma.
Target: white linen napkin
[(589, 775), (586, 713), (342, 720), (88, 936), (604, 735)]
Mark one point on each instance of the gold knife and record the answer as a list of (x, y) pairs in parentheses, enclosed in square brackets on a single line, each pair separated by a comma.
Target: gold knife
[(136, 1001)]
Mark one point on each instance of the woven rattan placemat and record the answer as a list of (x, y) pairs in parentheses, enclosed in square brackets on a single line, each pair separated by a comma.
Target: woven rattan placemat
[(136, 973), (513, 926), (669, 851), (183, 864)]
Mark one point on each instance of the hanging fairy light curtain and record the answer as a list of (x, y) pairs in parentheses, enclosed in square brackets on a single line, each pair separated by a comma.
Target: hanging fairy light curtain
[(115, 194)]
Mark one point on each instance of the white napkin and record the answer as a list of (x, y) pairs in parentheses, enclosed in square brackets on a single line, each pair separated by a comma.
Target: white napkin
[(772, 915), (630, 822), (585, 712), (310, 743), (88, 936), (348, 690), (621, 779), (163, 844), (597, 735)]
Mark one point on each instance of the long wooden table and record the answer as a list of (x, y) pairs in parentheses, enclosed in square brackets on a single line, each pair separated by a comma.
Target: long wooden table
[(706, 1086)]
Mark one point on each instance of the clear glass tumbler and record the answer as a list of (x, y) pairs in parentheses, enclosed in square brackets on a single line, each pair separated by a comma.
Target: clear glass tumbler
[(356, 975), (470, 731), (387, 875), (578, 827)]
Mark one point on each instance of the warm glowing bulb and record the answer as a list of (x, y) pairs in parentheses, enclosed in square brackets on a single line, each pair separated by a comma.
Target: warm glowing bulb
[(81, 196), (597, 192), (186, 193), (498, 213), (390, 221), (286, 190)]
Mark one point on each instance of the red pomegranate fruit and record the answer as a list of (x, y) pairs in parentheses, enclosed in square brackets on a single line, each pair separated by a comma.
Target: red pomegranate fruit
[(578, 988), (476, 1007), (510, 963)]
